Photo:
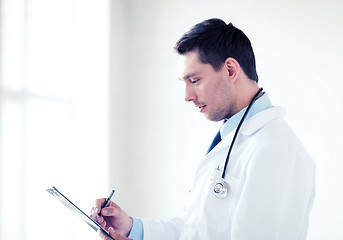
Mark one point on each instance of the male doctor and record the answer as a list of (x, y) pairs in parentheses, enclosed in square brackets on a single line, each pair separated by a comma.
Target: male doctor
[(270, 176)]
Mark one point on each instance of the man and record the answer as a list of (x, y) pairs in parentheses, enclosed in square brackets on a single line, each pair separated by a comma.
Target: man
[(269, 175)]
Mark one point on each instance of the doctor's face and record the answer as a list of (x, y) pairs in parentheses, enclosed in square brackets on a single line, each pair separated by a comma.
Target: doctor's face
[(209, 90)]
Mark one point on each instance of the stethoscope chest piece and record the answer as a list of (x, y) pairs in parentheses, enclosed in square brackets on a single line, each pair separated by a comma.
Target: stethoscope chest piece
[(221, 189)]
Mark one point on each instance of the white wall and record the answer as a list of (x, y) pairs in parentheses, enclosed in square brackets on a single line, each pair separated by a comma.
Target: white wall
[(156, 138)]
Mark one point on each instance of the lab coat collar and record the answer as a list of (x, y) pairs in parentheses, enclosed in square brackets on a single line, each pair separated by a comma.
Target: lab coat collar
[(259, 105), (260, 119), (251, 126)]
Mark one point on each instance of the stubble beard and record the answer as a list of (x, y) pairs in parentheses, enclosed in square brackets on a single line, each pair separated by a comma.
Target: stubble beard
[(220, 112), (219, 115), (223, 111), (224, 107)]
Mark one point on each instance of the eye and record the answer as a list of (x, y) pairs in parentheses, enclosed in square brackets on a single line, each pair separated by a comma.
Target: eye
[(195, 80)]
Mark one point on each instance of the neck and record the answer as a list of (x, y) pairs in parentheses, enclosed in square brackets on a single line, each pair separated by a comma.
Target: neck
[(245, 93)]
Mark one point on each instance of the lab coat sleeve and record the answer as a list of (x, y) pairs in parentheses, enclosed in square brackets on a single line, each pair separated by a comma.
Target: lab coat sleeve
[(166, 230), (276, 196)]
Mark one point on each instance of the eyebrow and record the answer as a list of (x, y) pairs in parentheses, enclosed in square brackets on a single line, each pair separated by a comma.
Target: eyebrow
[(187, 76)]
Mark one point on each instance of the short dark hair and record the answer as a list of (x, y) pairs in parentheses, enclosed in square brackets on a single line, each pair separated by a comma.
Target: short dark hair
[(216, 41)]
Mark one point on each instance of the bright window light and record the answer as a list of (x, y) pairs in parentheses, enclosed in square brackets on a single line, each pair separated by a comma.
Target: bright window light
[(54, 115)]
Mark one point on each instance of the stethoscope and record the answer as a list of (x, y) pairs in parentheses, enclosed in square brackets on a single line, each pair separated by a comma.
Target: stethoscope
[(221, 189)]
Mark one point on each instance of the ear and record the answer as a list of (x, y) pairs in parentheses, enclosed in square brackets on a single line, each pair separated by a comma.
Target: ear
[(233, 68)]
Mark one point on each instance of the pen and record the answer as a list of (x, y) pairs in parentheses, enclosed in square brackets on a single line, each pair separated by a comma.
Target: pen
[(107, 201)]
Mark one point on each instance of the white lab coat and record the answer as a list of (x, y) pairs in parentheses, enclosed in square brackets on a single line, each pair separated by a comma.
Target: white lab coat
[(272, 183)]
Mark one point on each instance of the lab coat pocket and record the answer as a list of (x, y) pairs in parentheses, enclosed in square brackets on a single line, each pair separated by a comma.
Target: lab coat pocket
[(218, 212)]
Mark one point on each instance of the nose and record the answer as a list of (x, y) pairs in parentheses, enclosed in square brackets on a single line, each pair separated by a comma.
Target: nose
[(189, 94)]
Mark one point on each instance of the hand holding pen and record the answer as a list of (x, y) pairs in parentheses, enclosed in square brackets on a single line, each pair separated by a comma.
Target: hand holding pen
[(106, 202), (113, 217)]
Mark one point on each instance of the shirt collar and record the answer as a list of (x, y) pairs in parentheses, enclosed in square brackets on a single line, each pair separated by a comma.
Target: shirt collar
[(260, 104)]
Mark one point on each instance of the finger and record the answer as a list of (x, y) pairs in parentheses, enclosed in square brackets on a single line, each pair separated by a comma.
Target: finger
[(116, 235), (114, 211), (96, 217), (103, 224), (113, 235), (112, 204), (93, 215), (92, 211), (103, 236), (100, 220), (97, 206)]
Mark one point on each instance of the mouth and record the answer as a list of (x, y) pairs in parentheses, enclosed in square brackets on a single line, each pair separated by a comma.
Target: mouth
[(201, 108)]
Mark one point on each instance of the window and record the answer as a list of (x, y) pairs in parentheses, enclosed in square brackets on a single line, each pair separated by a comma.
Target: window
[(53, 114)]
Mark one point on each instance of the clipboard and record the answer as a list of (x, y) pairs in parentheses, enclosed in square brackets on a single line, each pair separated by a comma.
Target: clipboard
[(69, 204)]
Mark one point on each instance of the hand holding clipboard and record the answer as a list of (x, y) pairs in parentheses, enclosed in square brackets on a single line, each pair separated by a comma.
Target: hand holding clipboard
[(105, 234)]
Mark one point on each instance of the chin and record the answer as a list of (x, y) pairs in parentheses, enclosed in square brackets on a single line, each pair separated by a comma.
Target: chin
[(214, 118)]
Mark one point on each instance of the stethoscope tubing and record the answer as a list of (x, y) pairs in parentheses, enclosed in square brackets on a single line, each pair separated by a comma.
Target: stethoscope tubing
[(237, 130)]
